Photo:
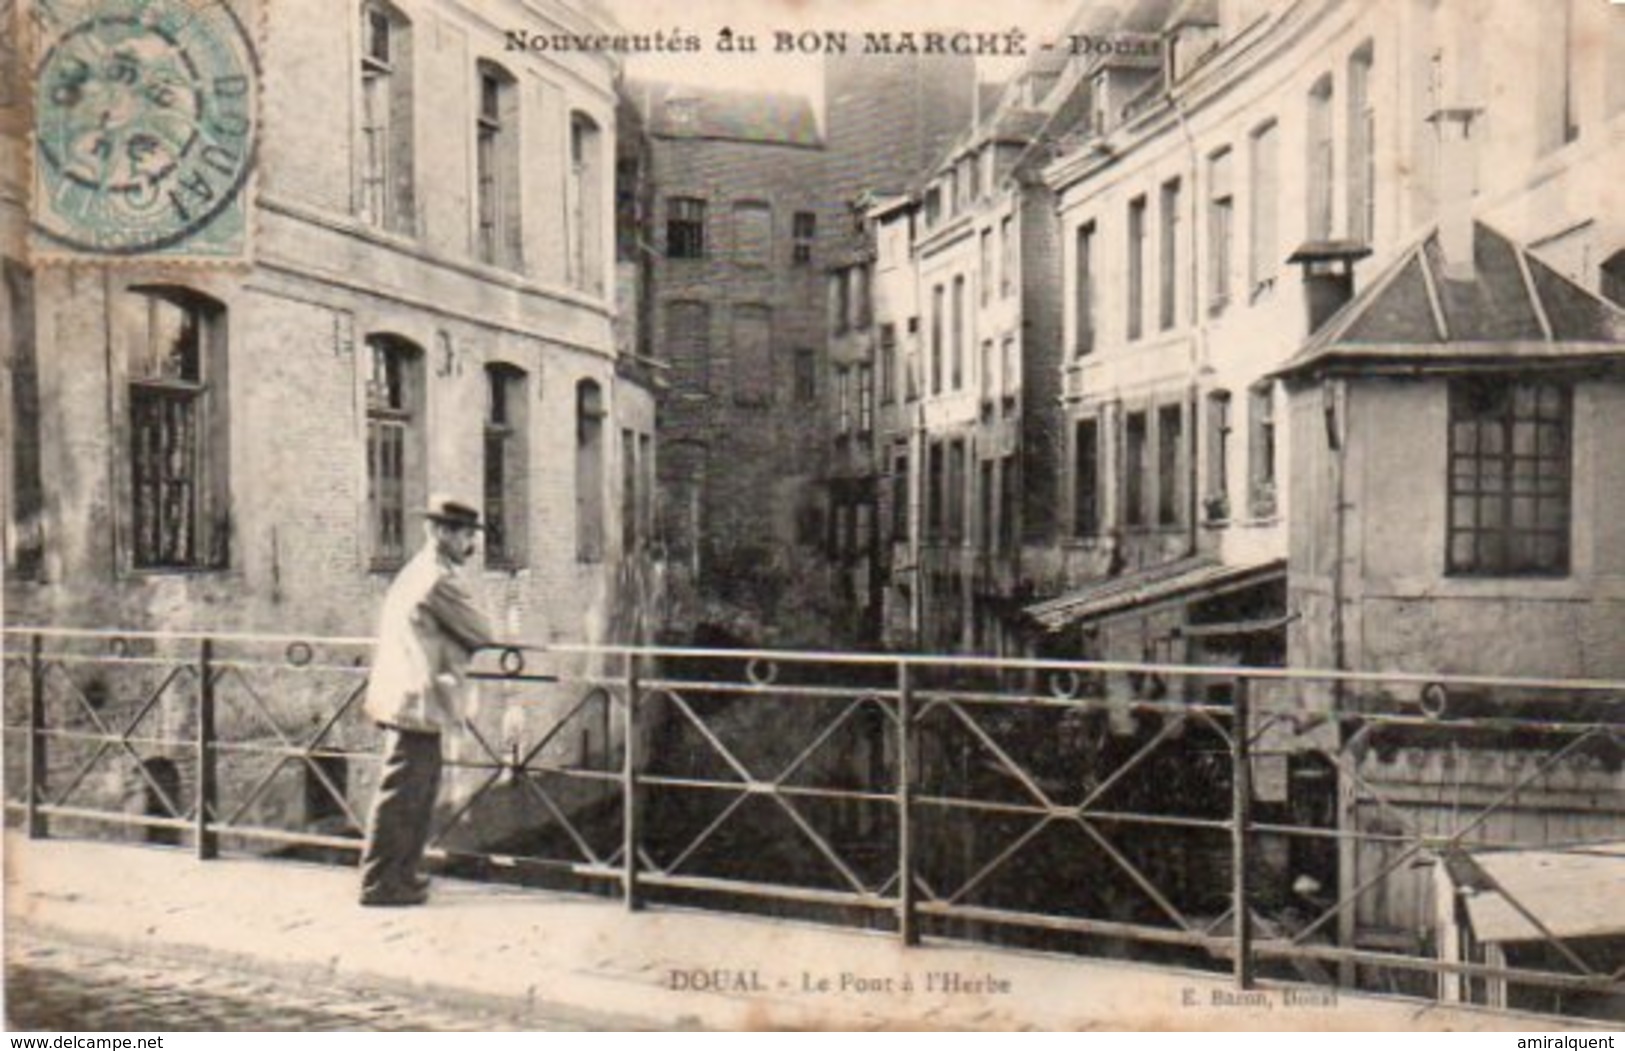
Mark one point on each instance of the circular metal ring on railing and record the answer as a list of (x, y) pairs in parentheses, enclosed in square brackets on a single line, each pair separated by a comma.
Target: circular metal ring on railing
[(513, 661), (119, 646), (1434, 700), (762, 673), (1065, 684), (299, 654)]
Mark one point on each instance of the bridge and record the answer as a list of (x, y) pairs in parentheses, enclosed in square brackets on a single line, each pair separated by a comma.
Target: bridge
[(1447, 840)]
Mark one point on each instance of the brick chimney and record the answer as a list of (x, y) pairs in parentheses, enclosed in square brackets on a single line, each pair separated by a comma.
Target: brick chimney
[(1458, 152)]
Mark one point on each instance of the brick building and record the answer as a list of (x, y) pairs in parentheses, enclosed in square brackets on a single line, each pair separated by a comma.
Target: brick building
[(736, 301), (428, 307)]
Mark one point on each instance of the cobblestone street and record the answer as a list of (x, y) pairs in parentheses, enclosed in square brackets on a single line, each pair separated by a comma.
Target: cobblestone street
[(63, 987)]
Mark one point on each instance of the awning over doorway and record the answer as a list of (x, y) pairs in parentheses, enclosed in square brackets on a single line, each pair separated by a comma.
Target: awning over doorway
[(1181, 581)]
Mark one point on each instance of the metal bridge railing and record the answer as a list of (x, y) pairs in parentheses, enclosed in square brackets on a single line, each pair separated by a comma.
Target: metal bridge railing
[(1357, 830)]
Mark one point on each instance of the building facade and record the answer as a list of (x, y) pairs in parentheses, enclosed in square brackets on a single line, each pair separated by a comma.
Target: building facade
[(428, 308), (1404, 211), (736, 299)]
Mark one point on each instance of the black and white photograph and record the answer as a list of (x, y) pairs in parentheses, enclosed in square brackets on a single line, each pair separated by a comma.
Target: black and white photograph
[(538, 515)]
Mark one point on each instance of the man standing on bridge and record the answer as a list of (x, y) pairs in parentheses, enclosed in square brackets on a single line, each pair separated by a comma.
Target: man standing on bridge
[(429, 629)]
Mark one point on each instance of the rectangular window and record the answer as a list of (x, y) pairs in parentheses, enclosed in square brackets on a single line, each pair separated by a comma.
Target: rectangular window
[(1168, 256), (685, 228), (1007, 257), (1217, 500), (1510, 478), (386, 120), (1362, 138), (1170, 443), (956, 494), (843, 399), (496, 160), (1086, 478), (938, 297), (753, 233), (584, 196), (590, 414), (1320, 161), (989, 371), (394, 434), (987, 493), (887, 353), (629, 492), (176, 364), (1009, 504), (1134, 469), (1263, 201), (866, 398), (646, 485), (1084, 289), (1221, 209), (899, 497), (985, 272), (1012, 367), (912, 378), (1136, 267), (752, 347), (804, 230), (959, 333), (1261, 451), (505, 467), (806, 376), (935, 493), (859, 276)]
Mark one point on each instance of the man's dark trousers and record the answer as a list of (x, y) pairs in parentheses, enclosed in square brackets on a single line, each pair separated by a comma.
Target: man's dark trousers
[(398, 831)]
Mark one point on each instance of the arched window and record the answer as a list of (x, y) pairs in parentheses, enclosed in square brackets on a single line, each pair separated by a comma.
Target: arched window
[(589, 471), (395, 453), (587, 204), (496, 167), (507, 458), (386, 197), (175, 361)]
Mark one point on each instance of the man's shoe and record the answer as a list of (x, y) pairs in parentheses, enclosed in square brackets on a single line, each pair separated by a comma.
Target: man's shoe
[(411, 896)]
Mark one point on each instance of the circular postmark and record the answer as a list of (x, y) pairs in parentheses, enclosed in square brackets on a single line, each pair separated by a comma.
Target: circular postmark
[(145, 124)]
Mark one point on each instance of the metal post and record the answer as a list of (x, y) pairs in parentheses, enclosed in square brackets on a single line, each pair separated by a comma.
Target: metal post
[(629, 789), (38, 823), (208, 840), (907, 921), (1348, 857), (1241, 817)]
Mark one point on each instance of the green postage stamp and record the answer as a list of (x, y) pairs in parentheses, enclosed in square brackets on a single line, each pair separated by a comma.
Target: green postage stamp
[(145, 123)]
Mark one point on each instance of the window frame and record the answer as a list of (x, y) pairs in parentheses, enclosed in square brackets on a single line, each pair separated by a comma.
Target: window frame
[(389, 546), (507, 516), (1502, 488), (201, 399), (685, 227)]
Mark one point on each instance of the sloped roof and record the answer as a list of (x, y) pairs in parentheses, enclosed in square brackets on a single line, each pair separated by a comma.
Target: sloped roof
[(1514, 307), (1180, 580), (1575, 893), (781, 118)]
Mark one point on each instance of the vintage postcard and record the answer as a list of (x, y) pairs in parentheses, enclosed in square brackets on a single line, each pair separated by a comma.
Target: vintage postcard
[(815, 515)]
